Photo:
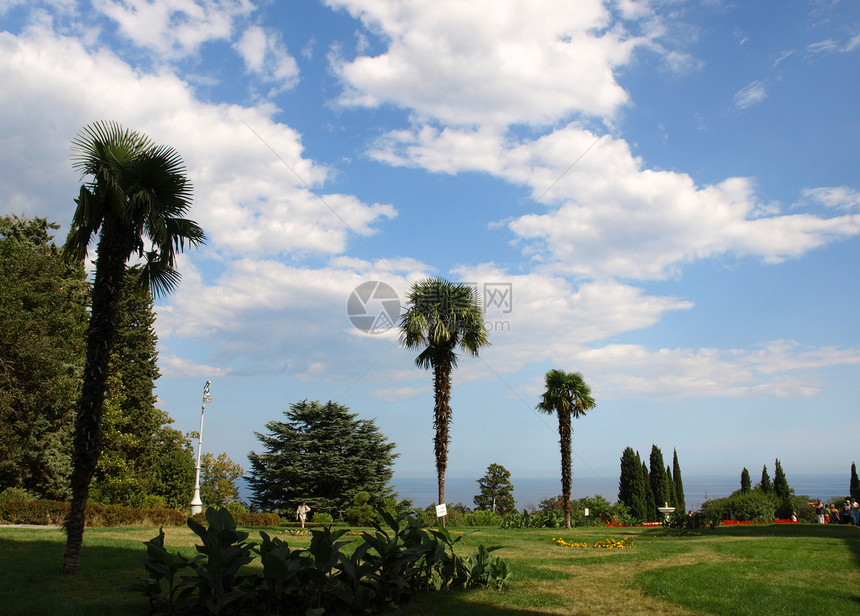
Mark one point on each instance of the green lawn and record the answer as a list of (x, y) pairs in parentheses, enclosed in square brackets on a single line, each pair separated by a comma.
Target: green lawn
[(774, 570)]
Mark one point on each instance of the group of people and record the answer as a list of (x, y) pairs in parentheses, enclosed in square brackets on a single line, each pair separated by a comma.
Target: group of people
[(849, 513)]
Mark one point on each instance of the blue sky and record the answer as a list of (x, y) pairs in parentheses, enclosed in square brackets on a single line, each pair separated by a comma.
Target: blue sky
[(668, 190)]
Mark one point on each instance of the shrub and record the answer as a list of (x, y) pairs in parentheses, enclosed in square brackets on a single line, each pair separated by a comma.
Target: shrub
[(321, 517), (754, 506), (482, 518)]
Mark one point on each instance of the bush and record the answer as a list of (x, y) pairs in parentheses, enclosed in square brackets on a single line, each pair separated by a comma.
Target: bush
[(482, 518), (753, 506), (321, 517)]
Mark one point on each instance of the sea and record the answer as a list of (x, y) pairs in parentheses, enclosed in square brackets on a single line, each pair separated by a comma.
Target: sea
[(530, 491)]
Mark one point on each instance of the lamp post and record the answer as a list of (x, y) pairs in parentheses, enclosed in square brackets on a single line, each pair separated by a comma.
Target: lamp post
[(196, 503)]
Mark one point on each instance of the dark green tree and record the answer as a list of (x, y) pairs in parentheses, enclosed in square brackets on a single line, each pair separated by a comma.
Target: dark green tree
[(322, 454), (43, 317), (680, 500), (780, 482), (497, 491), (765, 485), (745, 481), (659, 481), (854, 484), (566, 394), (441, 317), (650, 504), (134, 198), (631, 487), (670, 487)]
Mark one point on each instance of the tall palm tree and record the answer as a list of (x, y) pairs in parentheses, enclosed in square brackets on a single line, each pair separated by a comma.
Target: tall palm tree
[(440, 317), (134, 191), (566, 394)]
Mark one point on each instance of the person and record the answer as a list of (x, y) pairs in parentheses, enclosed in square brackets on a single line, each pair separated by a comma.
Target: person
[(794, 516), (819, 510), (855, 512), (302, 513), (834, 514), (846, 512)]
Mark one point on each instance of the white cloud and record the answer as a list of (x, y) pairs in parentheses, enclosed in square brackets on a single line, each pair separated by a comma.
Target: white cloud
[(490, 62), (750, 95), (254, 190), (264, 54), (175, 28), (839, 197), (598, 213)]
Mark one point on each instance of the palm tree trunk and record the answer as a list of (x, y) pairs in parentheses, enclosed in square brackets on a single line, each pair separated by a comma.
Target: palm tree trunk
[(101, 333), (564, 435), (441, 421)]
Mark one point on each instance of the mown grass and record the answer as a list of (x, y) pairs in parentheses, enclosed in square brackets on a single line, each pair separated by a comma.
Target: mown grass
[(763, 570)]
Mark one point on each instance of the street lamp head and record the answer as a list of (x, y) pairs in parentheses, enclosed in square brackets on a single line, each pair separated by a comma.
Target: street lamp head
[(206, 396)]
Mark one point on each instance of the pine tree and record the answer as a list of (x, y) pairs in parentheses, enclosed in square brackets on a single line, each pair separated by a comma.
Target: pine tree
[(497, 491), (854, 485), (630, 472), (670, 487), (680, 500), (745, 481), (780, 482), (765, 484), (322, 454), (43, 320)]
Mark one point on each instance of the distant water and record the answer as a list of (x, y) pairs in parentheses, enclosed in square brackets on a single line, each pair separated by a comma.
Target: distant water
[(529, 492)]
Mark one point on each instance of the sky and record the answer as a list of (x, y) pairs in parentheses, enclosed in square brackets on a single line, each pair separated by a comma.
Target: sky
[(663, 196)]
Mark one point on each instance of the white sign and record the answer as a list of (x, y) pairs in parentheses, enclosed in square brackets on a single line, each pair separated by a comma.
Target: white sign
[(441, 510), (586, 512)]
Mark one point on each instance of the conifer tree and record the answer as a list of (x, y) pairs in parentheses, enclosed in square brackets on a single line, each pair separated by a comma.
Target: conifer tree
[(659, 483), (650, 503), (670, 488), (497, 491), (746, 485), (680, 500), (627, 479), (780, 482), (765, 484), (854, 485)]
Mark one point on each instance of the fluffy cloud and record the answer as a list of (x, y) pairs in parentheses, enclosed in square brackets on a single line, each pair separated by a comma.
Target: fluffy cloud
[(265, 55), (489, 62)]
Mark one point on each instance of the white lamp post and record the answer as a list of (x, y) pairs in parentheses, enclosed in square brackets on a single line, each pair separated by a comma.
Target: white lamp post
[(196, 503)]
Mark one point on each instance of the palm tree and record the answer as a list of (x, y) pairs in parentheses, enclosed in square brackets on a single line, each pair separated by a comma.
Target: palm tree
[(566, 394), (440, 317), (136, 190)]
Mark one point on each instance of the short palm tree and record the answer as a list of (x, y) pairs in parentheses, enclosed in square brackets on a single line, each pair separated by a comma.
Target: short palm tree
[(136, 191), (440, 317), (566, 394)]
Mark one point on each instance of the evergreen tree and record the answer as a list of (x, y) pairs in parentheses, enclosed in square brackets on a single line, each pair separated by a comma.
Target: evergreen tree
[(670, 487), (131, 469), (497, 491), (650, 504), (854, 485), (322, 454), (43, 319), (680, 500), (630, 472), (745, 481), (659, 483), (765, 484), (780, 482)]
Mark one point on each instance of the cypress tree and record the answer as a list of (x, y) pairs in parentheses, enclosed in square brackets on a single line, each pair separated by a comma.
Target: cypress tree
[(780, 482), (680, 501), (650, 504), (765, 484), (659, 482), (746, 485), (854, 486), (631, 485)]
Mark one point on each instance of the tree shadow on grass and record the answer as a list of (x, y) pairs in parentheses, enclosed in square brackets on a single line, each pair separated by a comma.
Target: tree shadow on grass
[(33, 582)]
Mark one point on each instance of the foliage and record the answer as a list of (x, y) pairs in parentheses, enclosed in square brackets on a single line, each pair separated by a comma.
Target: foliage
[(136, 191), (659, 481), (42, 325), (482, 517), (765, 485), (854, 485), (756, 506), (650, 502), (321, 517), (497, 491), (441, 317), (361, 513), (780, 482), (565, 395), (680, 501), (321, 454), (18, 508), (218, 477), (745, 481), (382, 569)]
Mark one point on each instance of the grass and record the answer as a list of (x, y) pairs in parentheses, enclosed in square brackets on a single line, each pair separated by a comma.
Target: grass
[(762, 570)]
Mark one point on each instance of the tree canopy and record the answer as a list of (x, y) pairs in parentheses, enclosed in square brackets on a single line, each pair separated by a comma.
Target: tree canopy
[(321, 454), (497, 491)]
